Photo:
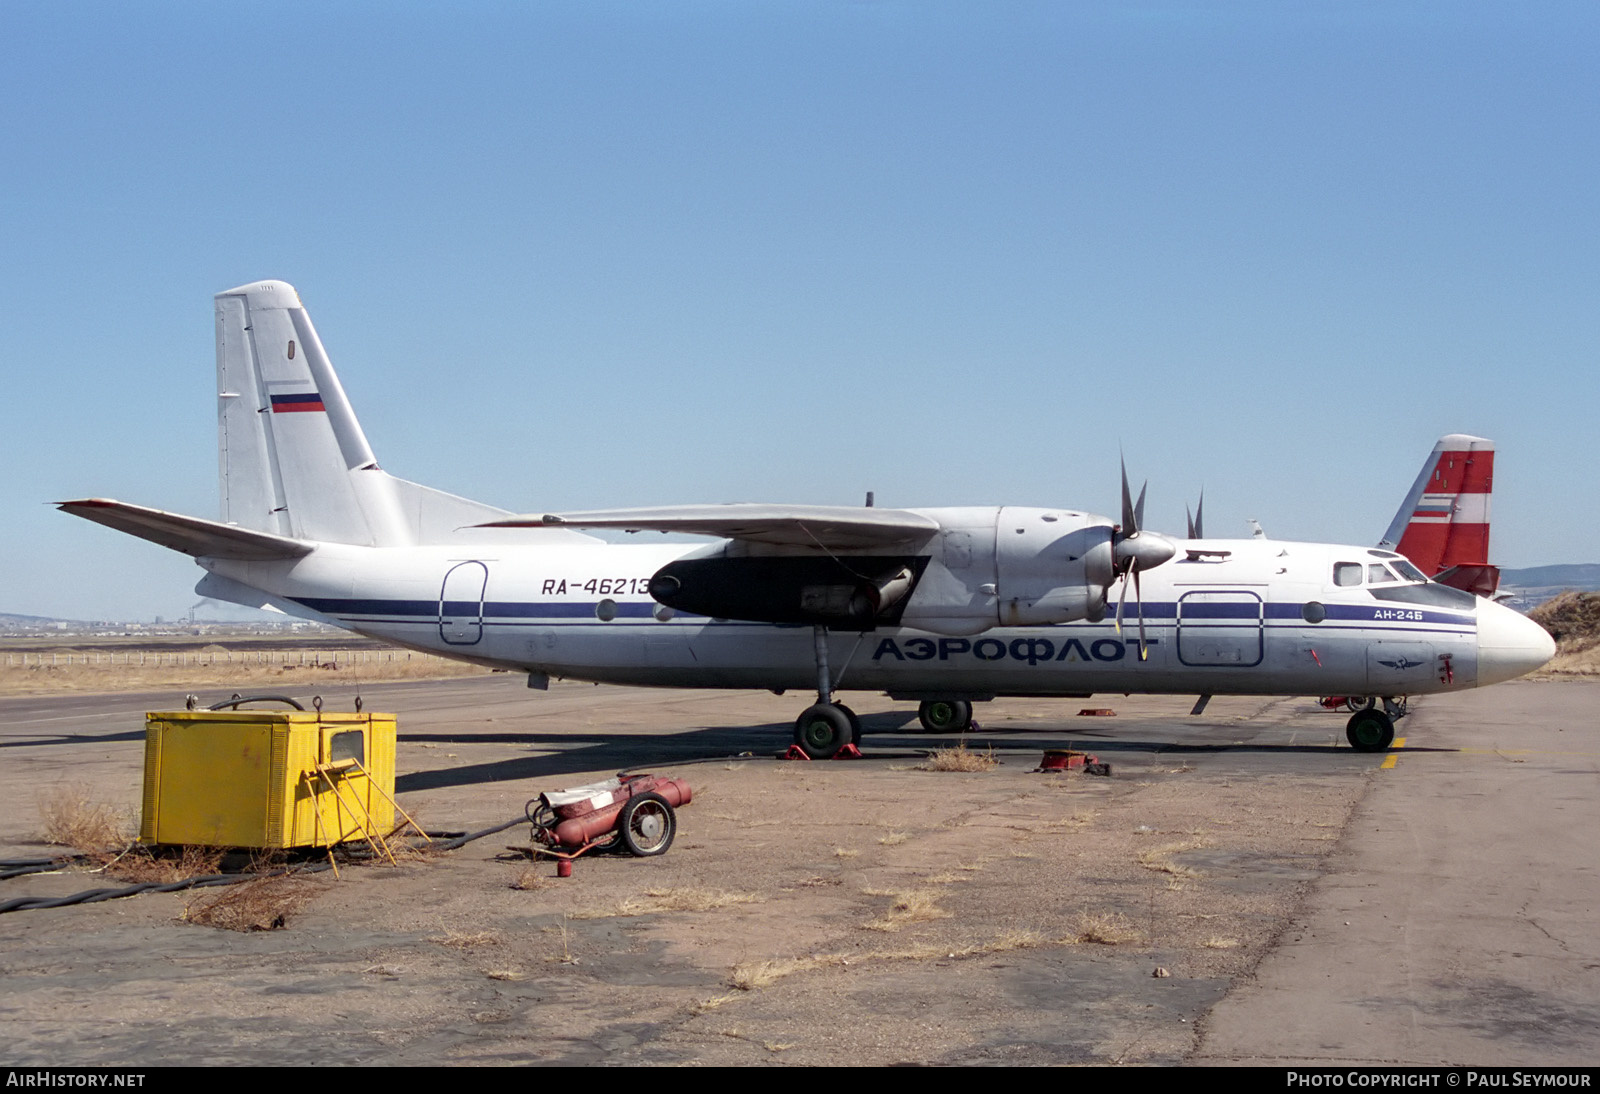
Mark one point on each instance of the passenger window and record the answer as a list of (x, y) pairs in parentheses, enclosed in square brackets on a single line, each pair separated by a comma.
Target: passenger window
[(1378, 574), (1347, 573)]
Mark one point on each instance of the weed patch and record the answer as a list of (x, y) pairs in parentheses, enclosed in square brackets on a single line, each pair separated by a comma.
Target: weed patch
[(960, 758), (265, 904)]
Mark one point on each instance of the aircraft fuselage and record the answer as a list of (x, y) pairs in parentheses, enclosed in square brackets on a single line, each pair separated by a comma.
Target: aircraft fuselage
[(1244, 617)]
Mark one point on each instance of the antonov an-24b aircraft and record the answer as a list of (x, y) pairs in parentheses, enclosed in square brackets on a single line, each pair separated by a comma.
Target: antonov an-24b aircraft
[(946, 606)]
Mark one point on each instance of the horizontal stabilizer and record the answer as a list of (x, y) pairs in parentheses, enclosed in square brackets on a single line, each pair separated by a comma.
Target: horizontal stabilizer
[(829, 526), (1480, 579), (191, 535)]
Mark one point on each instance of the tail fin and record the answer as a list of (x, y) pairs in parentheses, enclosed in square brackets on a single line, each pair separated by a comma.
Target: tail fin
[(293, 459), (1443, 525)]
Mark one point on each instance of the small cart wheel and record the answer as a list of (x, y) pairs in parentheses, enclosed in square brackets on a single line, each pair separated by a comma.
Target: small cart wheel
[(647, 825)]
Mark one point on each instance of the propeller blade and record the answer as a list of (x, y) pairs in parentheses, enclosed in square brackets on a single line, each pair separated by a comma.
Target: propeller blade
[(1197, 522), (1130, 519), (1122, 593), (1138, 506), (1138, 602)]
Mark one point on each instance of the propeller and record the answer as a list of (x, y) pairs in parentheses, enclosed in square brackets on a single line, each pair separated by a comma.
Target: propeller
[(1196, 526), (1134, 550)]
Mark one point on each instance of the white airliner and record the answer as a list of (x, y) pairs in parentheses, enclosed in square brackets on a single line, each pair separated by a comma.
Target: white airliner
[(946, 606)]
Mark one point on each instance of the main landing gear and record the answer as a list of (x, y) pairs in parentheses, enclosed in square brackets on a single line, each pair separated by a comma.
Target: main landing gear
[(945, 715), (825, 727), (1371, 729)]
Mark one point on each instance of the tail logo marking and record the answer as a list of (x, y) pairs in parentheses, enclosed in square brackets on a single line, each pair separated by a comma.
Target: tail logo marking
[(309, 401)]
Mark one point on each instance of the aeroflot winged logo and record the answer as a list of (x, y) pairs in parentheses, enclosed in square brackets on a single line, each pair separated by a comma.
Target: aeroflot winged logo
[(298, 402), (1400, 663)]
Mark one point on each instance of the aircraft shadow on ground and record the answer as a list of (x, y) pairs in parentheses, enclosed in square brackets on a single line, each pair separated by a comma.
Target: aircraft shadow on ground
[(590, 752), (73, 739)]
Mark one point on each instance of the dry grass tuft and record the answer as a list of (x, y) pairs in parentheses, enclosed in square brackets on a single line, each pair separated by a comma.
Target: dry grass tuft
[(73, 819), (907, 906), (1105, 929), (1081, 819), (528, 879), (141, 865), (504, 974), (686, 899), (845, 852), (750, 975), (265, 904), (893, 839), (1220, 943), (960, 758), (466, 940), (714, 1003), (1016, 938), (1159, 859)]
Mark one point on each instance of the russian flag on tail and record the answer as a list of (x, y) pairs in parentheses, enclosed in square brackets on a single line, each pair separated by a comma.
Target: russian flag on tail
[(300, 402)]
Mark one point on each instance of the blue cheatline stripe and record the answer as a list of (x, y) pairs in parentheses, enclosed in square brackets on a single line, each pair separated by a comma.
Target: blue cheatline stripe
[(1341, 617)]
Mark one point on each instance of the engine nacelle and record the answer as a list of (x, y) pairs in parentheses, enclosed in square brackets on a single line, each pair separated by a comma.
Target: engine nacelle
[(1013, 567), (985, 567)]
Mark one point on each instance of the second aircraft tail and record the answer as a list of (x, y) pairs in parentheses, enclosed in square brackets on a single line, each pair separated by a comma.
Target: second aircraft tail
[(1443, 524)]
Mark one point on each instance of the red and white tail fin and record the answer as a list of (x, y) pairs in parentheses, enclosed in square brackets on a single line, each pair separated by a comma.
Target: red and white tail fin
[(1443, 525)]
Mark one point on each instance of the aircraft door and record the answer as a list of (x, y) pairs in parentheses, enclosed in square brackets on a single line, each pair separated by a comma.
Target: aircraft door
[(1220, 627), (461, 603)]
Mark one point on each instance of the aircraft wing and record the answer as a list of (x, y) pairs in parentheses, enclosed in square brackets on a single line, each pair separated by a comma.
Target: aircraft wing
[(830, 526), (191, 535)]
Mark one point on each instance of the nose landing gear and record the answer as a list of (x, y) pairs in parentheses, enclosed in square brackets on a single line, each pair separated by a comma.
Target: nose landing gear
[(1371, 729)]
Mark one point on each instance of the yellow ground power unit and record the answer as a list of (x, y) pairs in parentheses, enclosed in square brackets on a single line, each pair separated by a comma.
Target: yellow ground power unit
[(267, 778)]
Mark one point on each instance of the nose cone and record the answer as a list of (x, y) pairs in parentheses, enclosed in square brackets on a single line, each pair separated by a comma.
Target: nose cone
[(1509, 644)]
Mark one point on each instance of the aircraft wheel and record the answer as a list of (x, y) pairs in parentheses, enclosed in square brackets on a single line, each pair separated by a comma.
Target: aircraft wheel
[(822, 730), (647, 825), (1369, 731), (1357, 703), (855, 723), (945, 715)]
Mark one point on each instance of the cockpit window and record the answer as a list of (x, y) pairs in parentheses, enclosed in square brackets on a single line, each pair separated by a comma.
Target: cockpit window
[(1409, 572), (1377, 574), (1347, 573)]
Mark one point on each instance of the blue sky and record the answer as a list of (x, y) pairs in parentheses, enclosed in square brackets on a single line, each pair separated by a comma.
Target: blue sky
[(588, 255)]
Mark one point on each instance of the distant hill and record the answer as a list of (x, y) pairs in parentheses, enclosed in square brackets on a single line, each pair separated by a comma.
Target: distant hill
[(1579, 575), (1536, 584), (10, 619)]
